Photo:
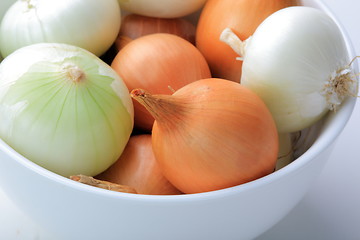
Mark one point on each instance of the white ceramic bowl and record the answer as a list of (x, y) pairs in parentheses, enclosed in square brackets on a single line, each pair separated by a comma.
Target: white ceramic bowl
[(70, 210)]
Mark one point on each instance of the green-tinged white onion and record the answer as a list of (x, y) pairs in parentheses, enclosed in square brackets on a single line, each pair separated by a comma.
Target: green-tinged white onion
[(297, 62), (64, 108), (163, 8), (4, 6), (90, 24)]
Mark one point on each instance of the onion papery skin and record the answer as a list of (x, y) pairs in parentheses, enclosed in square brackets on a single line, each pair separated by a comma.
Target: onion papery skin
[(134, 26), (138, 168), (162, 9), (290, 60), (211, 134), (89, 24), (243, 17), (64, 109), (156, 62)]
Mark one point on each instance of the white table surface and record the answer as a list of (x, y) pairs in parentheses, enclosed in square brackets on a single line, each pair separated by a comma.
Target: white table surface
[(329, 211)]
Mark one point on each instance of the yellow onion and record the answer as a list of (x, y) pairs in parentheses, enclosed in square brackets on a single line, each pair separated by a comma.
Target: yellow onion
[(159, 63), (163, 8), (211, 134), (134, 26), (137, 168)]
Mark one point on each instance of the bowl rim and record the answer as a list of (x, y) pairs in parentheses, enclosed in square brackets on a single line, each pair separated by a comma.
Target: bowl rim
[(326, 138)]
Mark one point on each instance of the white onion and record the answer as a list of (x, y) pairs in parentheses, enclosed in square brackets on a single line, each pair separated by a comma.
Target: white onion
[(163, 8), (90, 24), (4, 6), (64, 109), (298, 63)]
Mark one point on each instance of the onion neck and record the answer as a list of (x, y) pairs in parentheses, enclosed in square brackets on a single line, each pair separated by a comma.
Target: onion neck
[(230, 38), (163, 108)]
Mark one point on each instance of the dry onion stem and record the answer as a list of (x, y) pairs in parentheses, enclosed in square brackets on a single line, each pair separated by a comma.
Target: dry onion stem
[(160, 106), (102, 184)]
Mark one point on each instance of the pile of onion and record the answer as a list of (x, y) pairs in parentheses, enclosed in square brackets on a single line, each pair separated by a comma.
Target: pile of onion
[(183, 108)]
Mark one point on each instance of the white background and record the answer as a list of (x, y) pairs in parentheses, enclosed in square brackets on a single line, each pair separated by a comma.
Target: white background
[(330, 210)]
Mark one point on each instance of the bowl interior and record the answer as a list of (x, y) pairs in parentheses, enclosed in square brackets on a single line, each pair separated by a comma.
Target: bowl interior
[(313, 141)]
